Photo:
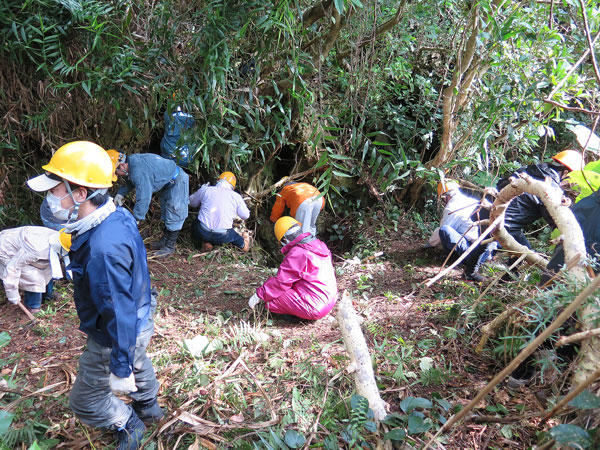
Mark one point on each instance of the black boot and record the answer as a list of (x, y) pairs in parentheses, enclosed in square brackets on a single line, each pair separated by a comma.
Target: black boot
[(472, 265), (132, 434), (148, 411), (160, 244), (169, 247)]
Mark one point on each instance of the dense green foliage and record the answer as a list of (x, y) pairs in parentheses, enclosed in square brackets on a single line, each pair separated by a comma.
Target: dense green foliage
[(267, 86)]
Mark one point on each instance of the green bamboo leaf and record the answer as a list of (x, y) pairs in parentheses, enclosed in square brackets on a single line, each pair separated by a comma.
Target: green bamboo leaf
[(86, 87), (5, 421), (585, 400), (571, 436), (4, 339), (294, 439), (339, 5), (341, 174)]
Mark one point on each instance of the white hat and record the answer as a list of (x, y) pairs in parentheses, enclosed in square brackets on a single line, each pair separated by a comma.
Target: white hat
[(42, 183)]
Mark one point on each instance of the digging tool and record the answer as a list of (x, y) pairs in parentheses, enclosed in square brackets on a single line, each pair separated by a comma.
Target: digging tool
[(27, 312)]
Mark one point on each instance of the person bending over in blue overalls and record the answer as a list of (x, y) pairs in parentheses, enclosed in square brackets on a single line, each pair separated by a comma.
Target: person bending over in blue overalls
[(148, 173)]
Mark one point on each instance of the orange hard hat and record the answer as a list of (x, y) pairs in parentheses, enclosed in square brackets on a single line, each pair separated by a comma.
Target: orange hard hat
[(571, 159), (229, 177), (445, 186), (117, 158)]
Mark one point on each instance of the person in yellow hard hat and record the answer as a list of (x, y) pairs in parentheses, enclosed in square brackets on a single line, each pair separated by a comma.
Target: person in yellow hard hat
[(305, 286), (219, 205), (148, 173), (112, 293)]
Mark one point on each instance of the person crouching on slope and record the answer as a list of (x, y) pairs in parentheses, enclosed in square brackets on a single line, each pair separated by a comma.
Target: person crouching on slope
[(457, 231), (305, 284), (219, 205)]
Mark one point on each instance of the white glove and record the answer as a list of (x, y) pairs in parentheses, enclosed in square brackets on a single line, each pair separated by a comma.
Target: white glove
[(13, 296), (121, 386), (254, 300), (119, 199)]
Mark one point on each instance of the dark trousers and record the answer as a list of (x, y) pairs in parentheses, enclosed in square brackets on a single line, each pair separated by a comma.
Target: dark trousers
[(451, 238), (200, 233), (33, 300)]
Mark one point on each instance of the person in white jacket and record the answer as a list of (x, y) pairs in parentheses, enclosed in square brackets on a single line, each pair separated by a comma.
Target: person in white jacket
[(457, 231), (25, 263)]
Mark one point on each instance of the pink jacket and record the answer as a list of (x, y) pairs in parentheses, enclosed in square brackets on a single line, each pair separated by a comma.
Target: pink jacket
[(305, 284)]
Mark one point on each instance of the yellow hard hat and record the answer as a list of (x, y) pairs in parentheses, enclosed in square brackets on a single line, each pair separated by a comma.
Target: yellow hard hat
[(445, 186), (117, 158), (571, 159), (229, 177), (64, 239), (83, 163), (282, 226)]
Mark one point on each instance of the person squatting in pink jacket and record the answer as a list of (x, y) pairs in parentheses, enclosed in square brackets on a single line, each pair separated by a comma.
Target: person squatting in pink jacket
[(305, 284)]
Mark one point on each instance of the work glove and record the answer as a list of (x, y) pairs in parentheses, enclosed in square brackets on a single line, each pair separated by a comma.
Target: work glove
[(254, 300), (119, 199), (121, 386), (13, 296)]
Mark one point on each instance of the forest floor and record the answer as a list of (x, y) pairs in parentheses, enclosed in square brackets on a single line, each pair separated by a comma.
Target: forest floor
[(268, 383)]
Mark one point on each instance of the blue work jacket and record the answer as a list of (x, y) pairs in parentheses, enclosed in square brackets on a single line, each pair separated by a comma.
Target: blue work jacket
[(112, 286), (148, 173)]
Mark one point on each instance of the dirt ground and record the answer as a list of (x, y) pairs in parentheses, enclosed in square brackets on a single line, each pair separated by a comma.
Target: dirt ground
[(387, 292)]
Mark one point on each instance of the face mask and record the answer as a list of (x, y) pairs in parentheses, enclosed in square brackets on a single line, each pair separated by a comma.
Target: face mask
[(54, 203)]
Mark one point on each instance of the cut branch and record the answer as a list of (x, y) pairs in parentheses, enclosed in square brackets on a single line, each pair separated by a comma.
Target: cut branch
[(284, 180), (531, 347), (360, 359), (564, 340)]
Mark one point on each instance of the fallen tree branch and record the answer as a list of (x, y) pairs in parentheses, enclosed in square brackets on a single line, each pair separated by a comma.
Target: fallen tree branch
[(273, 187), (488, 330), (531, 347), (564, 340), (552, 197), (494, 419), (360, 359)]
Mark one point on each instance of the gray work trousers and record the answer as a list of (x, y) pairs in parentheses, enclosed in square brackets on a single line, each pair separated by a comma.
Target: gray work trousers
[(307, 214), (91, 399)]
